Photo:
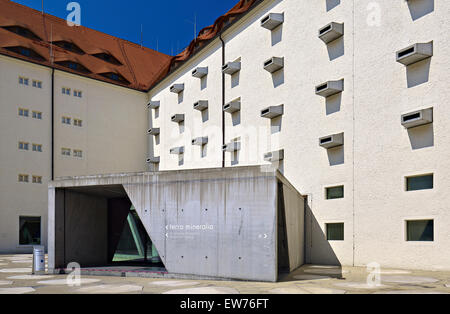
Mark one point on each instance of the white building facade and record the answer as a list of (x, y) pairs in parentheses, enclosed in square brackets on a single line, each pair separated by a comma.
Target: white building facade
[(344, 101)]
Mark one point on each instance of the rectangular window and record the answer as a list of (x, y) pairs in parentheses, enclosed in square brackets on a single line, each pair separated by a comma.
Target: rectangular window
[(66, 120), (420, 231), (23, 80), (37, 115), (30, 230), (335, 232), (24, 112), (66, 91), (425, 182), (23, 178), (37, 148), (335, 192), (77, 93), (78, 153), (24, 146), (77, 122), (37, 179), (37, 84), (66, 151)]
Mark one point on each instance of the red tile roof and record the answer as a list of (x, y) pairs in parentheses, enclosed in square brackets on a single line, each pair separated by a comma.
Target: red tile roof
[(208, 33), (139, 67)]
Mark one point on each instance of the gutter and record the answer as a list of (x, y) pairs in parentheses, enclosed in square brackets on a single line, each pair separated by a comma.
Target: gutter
[(53, 126), (223, 99)]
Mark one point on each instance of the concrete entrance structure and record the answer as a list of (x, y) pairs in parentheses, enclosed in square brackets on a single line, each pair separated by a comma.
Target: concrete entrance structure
[(235, 223)]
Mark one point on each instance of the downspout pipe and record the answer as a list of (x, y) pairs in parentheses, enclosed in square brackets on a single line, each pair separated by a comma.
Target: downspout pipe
[(223, 100), (53, 126)]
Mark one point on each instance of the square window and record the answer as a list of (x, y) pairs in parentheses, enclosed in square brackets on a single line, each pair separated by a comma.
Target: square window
[(23, 178), (78, 153), (30, 230), (420, 231), (23, 112), (66, 151), (37, 179), (335, 192), (335, 232), (425, 182)]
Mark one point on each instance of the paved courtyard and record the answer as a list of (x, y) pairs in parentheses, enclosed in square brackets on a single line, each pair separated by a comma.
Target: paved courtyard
[(16, 278)]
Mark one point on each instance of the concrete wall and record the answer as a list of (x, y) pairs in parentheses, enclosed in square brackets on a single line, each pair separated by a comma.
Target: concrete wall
[(378, 152), (111, 138), (215, 222)]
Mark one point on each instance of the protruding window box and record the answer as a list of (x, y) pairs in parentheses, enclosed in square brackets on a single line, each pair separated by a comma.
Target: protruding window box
[(232, 147), (200, 72), (154, 160), (332, 141), (274, 64), (200, 141), (201, 105), (233, 106), (330, 88), (274, 156), (177, 88), (272, 21), (154, 131), (231, 68), (154, 104), (272, 112), (417, 118), (331, 32), (415, 53), (178, 118), (177, 150)]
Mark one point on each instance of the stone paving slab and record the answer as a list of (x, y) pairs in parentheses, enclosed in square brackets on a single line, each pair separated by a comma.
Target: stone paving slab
[(310, 279)]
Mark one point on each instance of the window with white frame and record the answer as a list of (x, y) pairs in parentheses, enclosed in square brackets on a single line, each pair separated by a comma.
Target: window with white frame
[(78, 153), (37, 148), (23, 178), (66, 91), (37, 84), (66, 120), (37, 179), (23, 80), (78, 93), (66, 151), (37, 115), (24, 112), (24, 145), (78, 122)]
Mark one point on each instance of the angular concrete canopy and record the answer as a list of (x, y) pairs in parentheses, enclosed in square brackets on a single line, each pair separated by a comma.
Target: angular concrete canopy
[(236, 223)]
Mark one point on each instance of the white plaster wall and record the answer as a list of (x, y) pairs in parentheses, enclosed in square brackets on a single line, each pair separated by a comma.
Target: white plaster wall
[(196, 124), (111, 138), (378, 152), (22, 199), (384, 151)]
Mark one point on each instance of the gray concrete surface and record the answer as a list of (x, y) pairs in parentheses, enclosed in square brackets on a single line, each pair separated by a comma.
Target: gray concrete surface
[(221, 223)]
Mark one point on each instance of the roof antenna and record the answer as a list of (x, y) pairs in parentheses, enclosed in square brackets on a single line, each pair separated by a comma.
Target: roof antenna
[(195, 25), (142, 32)]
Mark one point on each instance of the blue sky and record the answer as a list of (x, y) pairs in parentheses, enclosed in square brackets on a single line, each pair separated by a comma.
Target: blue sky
[(164, 22)]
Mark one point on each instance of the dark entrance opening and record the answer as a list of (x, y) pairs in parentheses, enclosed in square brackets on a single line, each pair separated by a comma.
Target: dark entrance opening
[(100, 229)]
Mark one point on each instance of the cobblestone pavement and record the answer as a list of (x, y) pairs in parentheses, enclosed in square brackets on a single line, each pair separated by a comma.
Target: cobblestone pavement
[(16, 278)]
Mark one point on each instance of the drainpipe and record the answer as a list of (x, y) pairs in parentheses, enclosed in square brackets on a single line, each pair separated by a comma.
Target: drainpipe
[(223, 100), (53, 125)]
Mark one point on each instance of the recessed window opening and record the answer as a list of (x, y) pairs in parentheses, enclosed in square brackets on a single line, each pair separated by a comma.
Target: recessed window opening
[(406, 52), (417, 183), (412, 117), (322, 87), (325, 29), (420, 231)]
